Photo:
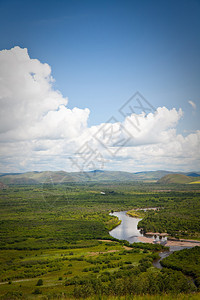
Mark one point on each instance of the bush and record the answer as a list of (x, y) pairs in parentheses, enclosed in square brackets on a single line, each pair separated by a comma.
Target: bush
[(40, 282), (37, 292)]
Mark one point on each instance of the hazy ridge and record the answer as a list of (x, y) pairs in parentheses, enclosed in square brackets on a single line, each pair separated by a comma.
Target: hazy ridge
[(161, 176)]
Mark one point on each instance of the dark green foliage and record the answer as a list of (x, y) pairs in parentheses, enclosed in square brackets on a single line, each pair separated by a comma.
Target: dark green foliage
[(136, 281), (37, 291), (147, 246), (179, 216), (67, 218), (187, 261), (40, 282)]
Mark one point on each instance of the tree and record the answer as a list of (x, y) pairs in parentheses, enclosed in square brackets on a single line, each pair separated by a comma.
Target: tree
[(40, 282)]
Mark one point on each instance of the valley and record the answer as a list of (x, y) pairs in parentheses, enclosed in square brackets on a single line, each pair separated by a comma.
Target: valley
[(60, 234)]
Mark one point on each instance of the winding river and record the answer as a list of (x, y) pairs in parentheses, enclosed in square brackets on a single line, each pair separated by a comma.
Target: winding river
[(128, 231)]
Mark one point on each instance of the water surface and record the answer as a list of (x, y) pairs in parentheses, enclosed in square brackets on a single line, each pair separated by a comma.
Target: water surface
[(127, 230)]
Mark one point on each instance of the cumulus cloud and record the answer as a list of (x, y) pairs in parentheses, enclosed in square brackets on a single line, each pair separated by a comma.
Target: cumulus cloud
[(154, 128), (39, 132), (30, 107), (192, 104)]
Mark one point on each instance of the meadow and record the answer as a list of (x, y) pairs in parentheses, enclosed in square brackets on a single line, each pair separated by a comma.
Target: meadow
[(55, 242)]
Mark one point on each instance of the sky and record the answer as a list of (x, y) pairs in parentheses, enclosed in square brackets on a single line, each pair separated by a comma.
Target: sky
[(111, 85)]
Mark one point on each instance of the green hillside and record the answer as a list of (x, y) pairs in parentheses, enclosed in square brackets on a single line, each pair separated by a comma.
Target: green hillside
[(62, 177), (176, 178), (59, 177), (151, 175)]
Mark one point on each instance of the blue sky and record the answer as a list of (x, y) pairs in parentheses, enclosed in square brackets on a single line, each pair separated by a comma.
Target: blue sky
[(102, 52)]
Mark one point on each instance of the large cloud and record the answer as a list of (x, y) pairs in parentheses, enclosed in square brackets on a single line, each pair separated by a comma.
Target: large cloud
[(39, 132), (30, 107)]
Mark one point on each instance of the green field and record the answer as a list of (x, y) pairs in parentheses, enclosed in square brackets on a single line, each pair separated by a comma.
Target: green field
[(60, 234)]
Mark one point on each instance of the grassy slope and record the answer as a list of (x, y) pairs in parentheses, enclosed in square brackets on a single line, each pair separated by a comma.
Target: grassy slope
[(55, 264), (97, 176), (195, 182), (176, 178)]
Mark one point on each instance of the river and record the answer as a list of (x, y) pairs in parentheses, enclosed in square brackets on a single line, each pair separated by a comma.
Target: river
[(128, 231)]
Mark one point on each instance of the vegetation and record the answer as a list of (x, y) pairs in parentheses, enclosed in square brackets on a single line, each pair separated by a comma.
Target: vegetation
[(186, 261), (40, 282), (55, 242), (136, 213), (177, 178), (179, 216), (96, 176)]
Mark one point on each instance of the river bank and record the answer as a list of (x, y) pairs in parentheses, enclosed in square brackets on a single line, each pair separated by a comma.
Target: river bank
[(127, 230), (157, 237), (170, 243)]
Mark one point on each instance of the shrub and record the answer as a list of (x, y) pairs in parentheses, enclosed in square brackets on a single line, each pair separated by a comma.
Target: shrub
[(40, 282), (37, 292)]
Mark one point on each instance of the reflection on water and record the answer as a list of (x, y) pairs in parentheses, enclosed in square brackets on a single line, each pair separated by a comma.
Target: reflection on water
[(164, 254), (127, 230)]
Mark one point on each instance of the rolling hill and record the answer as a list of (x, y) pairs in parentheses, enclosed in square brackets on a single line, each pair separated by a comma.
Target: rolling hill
[(176, 178), (62, 177), (59, 177)]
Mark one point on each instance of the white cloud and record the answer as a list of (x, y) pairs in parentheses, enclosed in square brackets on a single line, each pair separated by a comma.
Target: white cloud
[(30, 107), (154, 128), (39, 132), (192, 104)]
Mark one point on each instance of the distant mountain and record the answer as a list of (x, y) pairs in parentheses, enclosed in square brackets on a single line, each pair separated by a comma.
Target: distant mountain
[(97, 171), (33, 177), (62, 177), (59, 177), (176, 178), (152, 175), (3, 174), (193, 174)]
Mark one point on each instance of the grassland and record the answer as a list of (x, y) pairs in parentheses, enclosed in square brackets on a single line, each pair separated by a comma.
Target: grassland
[(60, 234), (177, 178)]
